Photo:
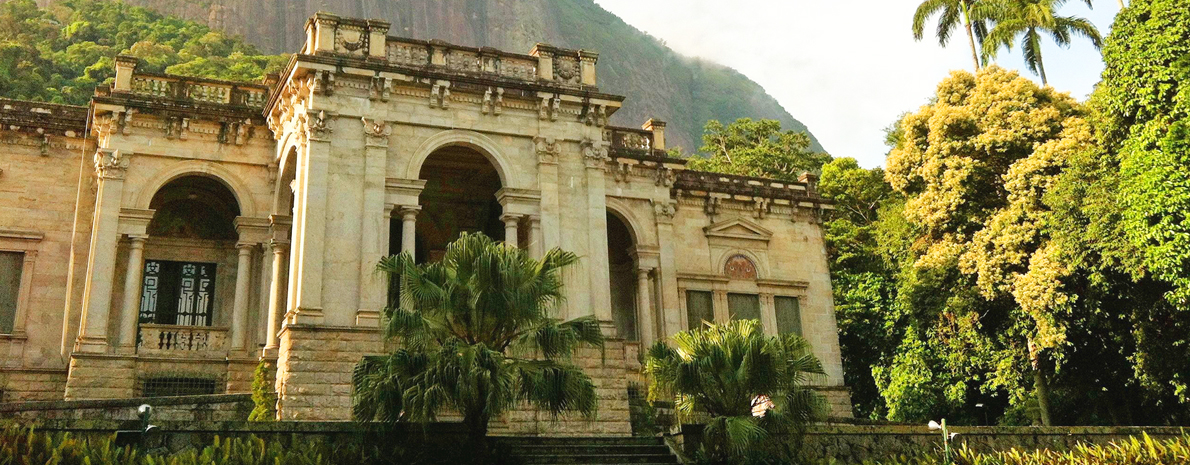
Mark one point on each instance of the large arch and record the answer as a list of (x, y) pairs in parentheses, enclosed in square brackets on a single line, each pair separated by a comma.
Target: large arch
[(624, 213), (460, 195), (470, 139), (622, 276), (283, 195), (238, 188)]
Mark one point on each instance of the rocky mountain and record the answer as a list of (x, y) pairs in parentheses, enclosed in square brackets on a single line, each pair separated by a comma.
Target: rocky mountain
[(658, 82)]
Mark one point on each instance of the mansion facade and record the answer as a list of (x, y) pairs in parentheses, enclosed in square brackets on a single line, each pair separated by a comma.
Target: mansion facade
[(177, 231)]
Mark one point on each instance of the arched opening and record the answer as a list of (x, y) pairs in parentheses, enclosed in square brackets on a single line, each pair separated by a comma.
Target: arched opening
[(623, 280), (459, 196), (190, 253)]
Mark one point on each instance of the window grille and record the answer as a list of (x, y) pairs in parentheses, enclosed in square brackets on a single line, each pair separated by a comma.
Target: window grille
[(699, 308), (744, 306), (789, 315), (177, 293), (169, 386), (11, 267)]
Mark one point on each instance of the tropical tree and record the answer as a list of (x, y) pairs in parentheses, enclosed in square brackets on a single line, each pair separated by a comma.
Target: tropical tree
[(1029, 20), (473, 334), (952, 13), (748, 387), (749, 147)]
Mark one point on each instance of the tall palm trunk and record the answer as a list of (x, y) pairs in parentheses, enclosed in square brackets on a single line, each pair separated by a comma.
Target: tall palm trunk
[(1122, 6), (971, 34), (1041, 67), (1040, 386)]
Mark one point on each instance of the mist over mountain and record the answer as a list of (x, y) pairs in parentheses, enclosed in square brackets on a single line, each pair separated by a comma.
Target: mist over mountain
[(659, 83)]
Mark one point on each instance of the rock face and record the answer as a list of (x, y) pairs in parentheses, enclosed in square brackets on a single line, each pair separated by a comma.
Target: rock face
[(658, 82)]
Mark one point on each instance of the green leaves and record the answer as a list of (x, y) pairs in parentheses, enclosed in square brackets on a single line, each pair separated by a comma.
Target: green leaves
[(475, 334), (61, 53), (722, 373), (759, 148)]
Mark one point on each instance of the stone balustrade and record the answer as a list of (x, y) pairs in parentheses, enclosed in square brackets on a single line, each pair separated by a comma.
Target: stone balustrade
[(198, 90), (629, 139), (186, 341), (367, 39)]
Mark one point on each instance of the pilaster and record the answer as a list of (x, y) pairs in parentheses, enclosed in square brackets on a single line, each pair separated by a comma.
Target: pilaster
[(110, 168), (373, 222)]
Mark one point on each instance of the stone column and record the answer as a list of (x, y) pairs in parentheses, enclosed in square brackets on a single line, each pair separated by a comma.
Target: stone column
[(409, 229), (310, 224), (239, 311), (644, 308), (510, 228), (130, 316), (667, 273), (535, 240), (110, 167), (275, 304), (373, 222), (595, 157)]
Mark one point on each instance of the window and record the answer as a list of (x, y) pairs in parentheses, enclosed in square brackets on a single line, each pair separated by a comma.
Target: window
[(11, 264), (177, 293), (699, 308), (744, 306), (177, 386), (789, 315)]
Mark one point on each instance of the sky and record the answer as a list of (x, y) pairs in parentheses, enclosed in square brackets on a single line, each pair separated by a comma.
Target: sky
[(845, 68)]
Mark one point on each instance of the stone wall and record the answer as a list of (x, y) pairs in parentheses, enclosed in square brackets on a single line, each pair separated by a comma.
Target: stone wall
[(32, 385), (314, 370), (80, 413)]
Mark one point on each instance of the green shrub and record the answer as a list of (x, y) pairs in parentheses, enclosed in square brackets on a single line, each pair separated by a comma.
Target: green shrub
[(1143, 450), (264, 398)]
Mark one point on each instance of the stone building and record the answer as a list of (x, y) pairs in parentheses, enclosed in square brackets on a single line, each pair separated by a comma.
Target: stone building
[(169, 236)]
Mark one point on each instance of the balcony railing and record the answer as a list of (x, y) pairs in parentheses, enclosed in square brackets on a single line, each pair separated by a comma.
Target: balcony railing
[(631, 139), (187, 341)]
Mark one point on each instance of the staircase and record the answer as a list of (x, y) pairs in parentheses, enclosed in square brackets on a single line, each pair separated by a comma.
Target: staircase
[(595, 450)]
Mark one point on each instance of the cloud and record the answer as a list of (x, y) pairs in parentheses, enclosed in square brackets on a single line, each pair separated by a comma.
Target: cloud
[(845, 68)]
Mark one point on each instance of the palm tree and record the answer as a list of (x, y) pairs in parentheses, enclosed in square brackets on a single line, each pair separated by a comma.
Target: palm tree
[(951, 14), (745, 385), (473, 333), (1029, 19)]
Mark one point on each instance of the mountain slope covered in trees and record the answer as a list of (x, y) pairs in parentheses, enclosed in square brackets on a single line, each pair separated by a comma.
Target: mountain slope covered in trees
[(658, 82)]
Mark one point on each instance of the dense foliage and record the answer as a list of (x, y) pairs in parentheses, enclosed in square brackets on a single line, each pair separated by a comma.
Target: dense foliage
[(1033, 250), (1143, 450), (725, 375), (264, 395), (27, 446), (473, 334), (62, 52), (759, 148)]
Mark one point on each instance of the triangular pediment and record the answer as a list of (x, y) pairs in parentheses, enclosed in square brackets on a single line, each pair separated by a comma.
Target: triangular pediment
[(739, 228)]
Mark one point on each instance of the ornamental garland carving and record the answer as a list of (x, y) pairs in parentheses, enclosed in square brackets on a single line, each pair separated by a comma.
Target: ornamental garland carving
[(110, 164), (595, 154), (665, 210), (548, 149), (493, 103), (376, 132), (319, 126)]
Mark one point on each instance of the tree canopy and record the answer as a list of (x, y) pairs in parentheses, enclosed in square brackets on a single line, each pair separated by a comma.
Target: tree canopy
[(758, 148), (60, 53)]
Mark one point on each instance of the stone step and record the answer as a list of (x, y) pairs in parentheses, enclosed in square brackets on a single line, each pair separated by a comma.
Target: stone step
[(580, 441), (588, 449), (597, 458)]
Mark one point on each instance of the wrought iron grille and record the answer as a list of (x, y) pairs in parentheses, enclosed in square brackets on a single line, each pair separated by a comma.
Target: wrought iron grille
[(168, 386), (177, 293)]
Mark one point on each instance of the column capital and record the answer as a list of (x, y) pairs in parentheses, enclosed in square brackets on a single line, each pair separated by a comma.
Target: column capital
[(409, 211), (511, 218), (246, 247), (278, 246), (138, 240)]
